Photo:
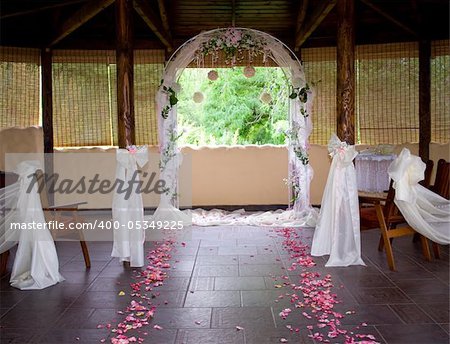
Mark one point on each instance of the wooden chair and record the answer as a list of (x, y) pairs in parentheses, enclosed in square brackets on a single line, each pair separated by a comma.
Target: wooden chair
[(384, 214), (66, 214)]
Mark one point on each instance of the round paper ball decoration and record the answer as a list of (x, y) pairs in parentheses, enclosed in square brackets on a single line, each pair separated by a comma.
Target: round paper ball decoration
[(198, 97), (265, 97), (213, 75), (249, 71)]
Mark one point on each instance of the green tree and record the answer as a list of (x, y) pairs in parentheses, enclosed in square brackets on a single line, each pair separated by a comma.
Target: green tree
[(232, 112)]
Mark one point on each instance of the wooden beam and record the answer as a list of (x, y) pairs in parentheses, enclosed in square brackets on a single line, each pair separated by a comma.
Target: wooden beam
[(91, 9), (125, 73), (40, 9), (345, 93), (424, 99), (391, 18), (301, 16), (321, 10), (164, 17), (153, 22)]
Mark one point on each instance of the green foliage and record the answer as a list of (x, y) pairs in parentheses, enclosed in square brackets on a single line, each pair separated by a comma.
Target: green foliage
[(232, 112)]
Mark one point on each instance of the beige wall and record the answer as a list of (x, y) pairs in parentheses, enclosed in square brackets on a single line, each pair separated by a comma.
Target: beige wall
[(220, 175)]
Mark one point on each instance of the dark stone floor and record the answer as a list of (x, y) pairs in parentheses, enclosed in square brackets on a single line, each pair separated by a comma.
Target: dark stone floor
[(222, 281)]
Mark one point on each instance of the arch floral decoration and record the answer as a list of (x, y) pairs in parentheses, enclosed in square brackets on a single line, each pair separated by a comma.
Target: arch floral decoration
[(235, 42)]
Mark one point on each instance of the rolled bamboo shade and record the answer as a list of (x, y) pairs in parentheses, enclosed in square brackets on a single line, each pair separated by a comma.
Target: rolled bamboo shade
[(19, 87)]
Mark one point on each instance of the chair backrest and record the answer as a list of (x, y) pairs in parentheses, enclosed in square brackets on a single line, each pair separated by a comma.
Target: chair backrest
[(427, 175), (441, 183), (389, 205)]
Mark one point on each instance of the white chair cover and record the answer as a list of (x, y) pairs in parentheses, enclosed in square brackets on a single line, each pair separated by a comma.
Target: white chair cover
[(425, 211), (337, 232), (129, 213), (36, 264)]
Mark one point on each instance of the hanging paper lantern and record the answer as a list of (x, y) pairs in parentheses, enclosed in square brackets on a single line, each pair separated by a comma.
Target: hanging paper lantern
[(198, 97), (265, 97), (213, 75), (249, 71)]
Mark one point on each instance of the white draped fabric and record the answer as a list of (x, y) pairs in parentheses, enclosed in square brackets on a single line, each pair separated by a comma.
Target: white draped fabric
[(299, 171), (36, 264), (425, 211), (128, 209), (277, 218), (338, 231)]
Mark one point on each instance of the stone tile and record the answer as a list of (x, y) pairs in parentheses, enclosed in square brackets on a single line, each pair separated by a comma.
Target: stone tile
[(218, 298), (216, 270), (237, 250), (258, 335), (239, 283), (18, 335), (379, 296), (57, 336), (174, 318), (11, 298), (109, 284), (210, 336), (422, 286), (366, 281), (262, 270), (417, 334), (259, 259), (411, 314), (370, 314), (264, 298), (217, 260), (173, 284), (218, 243), (208, 251), (78, 265), (201, 283), (439, 312), (102, 299), (31, 319), (242, 316)]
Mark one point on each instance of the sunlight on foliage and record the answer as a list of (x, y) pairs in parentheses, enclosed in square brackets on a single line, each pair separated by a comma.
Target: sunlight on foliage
[(232, 112)]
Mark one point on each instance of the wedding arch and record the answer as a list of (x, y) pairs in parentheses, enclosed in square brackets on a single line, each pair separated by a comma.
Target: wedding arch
[(235, 44)]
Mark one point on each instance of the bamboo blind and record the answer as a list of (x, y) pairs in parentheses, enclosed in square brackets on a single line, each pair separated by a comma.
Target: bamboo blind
[(387, 82), (440, 91), (148, 70), (84, 110), (19, 88), (320, 68)]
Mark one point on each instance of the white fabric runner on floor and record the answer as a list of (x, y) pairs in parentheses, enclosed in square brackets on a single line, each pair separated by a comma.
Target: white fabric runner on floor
[(425, 211), (337, 232), (128, 209), (36, 264), (277, 218)]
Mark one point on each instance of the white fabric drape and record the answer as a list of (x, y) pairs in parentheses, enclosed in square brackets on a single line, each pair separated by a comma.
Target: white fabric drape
[(36, 264), (128, 209), (425, 211), (338, 231)]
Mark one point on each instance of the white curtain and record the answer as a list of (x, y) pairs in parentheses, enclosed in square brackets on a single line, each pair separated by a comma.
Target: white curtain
[(128, 209), (338, 232), (425, 211), (36, 264)]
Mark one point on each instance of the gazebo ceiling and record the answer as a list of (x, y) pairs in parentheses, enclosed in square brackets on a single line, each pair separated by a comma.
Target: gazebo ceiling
[(167, 23)]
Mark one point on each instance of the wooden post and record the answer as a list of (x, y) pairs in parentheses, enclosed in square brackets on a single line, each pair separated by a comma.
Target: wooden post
[(125, 79), (47, 112), (424, 99), (47, 99), (346, 71)]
